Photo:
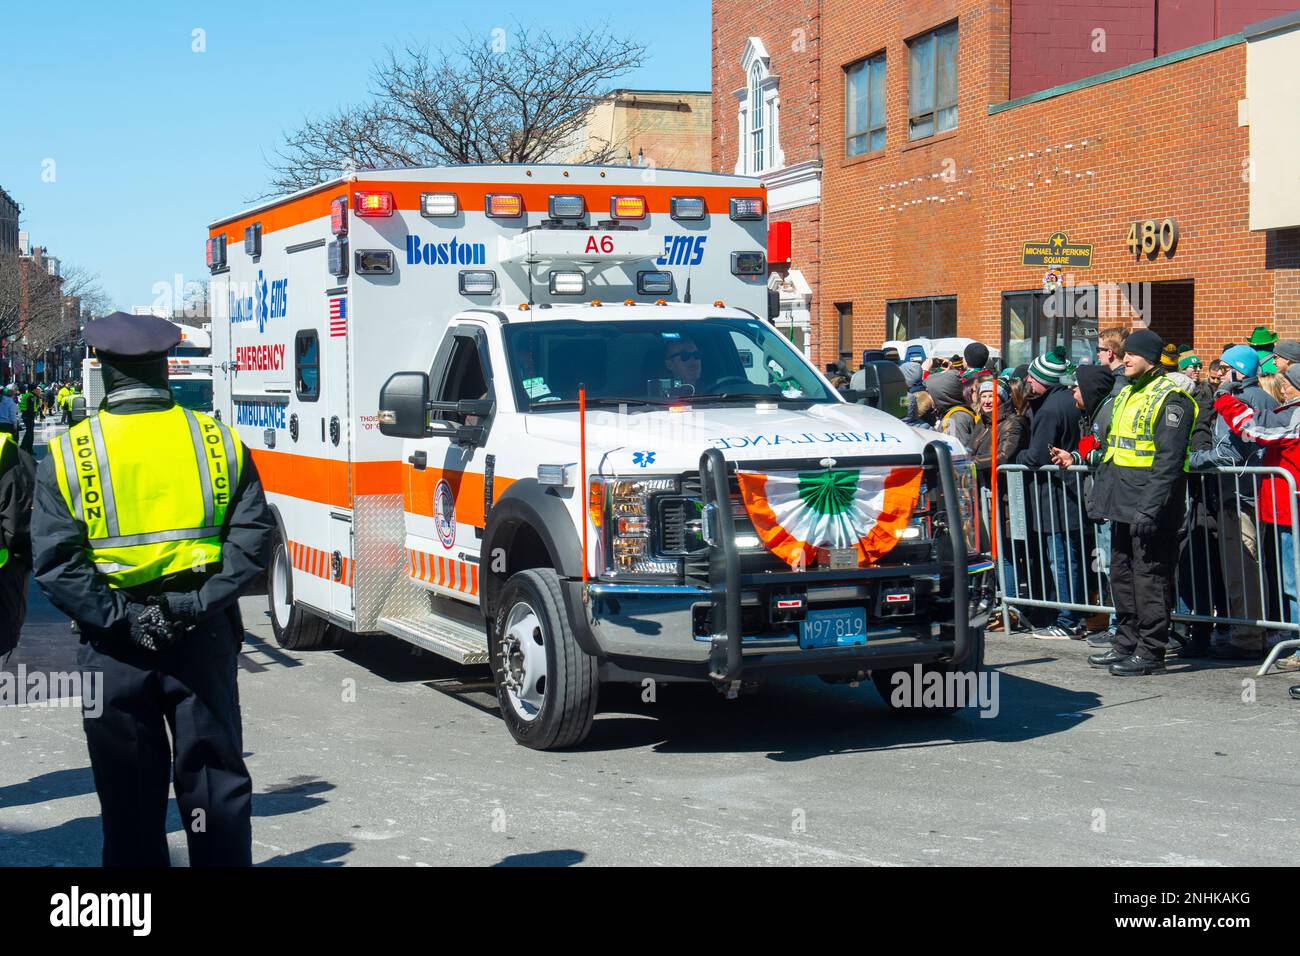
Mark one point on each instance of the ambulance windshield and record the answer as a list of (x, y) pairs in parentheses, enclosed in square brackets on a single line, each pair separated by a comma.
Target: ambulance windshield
[(697, 362)]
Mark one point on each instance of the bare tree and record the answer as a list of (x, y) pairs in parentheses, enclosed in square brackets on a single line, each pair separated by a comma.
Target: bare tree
[(10, 296), (504, 98)]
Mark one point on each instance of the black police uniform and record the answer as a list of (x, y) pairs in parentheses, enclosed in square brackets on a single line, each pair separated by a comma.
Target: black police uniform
[(189, 688), (16, 471), (1144, 562)]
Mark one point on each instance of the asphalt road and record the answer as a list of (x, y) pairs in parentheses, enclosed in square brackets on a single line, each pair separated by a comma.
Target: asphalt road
[(381, 756)]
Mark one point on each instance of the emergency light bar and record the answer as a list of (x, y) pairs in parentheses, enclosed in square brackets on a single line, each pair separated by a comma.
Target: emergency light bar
[(477, 282), (567, 207), (439, 205), (253, 239), (336, 253), (627, 207), (746, 208), (216, 252), (688, 207), (339, 216), (568, 283), (654, 283), (748, 264), (374, 205), (504, 205)]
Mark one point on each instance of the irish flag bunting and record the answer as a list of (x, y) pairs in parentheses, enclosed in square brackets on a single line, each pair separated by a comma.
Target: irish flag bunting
[(801, 515)]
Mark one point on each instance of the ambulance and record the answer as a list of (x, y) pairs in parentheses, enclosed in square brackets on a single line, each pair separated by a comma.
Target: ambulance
[(538, 417), (189, 372)]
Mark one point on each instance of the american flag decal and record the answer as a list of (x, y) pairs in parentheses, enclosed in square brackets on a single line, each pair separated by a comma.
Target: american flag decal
[(339, 316)]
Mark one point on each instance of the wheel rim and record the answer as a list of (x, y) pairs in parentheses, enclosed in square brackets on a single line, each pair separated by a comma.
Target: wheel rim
[(280, 604), (523, 661)]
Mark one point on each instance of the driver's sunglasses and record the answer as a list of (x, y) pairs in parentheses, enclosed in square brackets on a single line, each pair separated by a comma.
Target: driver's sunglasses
[(686, 356)]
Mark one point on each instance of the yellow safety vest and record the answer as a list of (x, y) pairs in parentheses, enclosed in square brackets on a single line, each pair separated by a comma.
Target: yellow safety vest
[(4, 440), (1130, 442), (152, 489), (63, 394)]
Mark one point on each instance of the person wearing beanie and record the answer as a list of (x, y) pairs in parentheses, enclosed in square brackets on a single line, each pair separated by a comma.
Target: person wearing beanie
[(1238, 538), (1056, 513), (1169, 358), (1140, 486), (152, 575), (976, 355), (1278, 432), (1285, 353)]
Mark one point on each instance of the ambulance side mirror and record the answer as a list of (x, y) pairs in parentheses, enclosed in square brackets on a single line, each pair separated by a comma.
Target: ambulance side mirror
[(773, 303), (404, 405)]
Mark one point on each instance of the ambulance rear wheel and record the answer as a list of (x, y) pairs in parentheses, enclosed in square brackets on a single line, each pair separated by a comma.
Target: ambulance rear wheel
[(903, 697), (546, 684), (294, 627)]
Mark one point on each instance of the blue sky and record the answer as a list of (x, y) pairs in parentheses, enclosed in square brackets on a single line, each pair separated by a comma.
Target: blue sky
[(151, 141)]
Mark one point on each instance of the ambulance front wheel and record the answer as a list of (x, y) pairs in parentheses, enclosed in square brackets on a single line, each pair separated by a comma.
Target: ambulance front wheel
[(546, 684), (295, 628)]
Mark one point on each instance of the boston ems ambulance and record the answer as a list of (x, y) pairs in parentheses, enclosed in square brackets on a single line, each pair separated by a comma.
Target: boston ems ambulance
[(538, 417)]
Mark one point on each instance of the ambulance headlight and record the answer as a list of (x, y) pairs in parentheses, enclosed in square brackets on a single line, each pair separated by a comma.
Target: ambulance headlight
[(747, 208), (620, 507), (480, 282), (568, 283), (748, 264), (688, 207), (654, 283), (438, 205), (374, 262), (567, 207)]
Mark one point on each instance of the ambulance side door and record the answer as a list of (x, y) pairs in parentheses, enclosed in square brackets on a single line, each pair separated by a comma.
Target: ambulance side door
[(447, 486)]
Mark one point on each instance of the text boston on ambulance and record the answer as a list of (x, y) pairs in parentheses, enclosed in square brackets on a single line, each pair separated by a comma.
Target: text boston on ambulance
[(718, 513)]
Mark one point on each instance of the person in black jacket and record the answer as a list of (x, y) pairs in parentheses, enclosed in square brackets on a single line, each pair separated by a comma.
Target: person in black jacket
[(166, 646), (1141, 487), (1057, 514), (16, 470)]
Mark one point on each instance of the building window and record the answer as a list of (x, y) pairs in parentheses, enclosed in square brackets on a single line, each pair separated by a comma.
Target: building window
[(864, 106), (845, 313), (760, 114), (932, 82), (931, 318)]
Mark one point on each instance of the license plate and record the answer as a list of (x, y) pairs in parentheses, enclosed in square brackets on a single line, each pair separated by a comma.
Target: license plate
[(842, 627)]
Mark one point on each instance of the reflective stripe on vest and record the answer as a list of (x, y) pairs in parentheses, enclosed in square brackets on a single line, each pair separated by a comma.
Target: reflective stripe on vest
[(152, 489), (1131, 442), (4, 440)]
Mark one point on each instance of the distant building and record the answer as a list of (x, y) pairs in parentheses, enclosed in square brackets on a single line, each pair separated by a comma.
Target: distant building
[(661, 129), (8, 224)]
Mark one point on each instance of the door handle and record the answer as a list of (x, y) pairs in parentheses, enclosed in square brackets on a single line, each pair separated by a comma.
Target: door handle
[(420, 460)]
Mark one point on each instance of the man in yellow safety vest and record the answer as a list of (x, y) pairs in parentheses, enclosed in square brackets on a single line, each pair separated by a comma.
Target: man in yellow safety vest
[(149, 523), (1140, 486)]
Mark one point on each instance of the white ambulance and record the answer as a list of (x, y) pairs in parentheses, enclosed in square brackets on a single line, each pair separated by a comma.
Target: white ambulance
[(189, 372), (537, 417)]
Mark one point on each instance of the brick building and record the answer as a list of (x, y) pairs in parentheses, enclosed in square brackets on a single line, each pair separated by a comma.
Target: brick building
[(664, 129), (767, 77), (955, 132), (9, 212)]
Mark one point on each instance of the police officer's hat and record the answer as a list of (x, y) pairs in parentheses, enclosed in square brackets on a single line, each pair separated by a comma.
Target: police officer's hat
[(132, 338)]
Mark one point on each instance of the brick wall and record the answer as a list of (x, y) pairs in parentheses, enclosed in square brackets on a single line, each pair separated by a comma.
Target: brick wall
[(948, 215), (1058, 41)]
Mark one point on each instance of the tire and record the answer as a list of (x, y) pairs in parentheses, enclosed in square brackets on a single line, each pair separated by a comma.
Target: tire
[(556, 708), (295, 628), (884, 681)]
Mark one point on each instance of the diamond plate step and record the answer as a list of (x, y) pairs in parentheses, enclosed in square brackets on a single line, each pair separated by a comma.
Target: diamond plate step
[(459, 642)]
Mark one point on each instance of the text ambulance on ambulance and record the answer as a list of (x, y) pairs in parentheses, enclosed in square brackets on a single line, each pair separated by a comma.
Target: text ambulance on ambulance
[(605, 463)]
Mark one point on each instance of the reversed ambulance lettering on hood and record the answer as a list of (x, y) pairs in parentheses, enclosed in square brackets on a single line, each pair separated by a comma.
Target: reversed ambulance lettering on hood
[(445, 253), (260, 358), (804, 438), (260, 414)]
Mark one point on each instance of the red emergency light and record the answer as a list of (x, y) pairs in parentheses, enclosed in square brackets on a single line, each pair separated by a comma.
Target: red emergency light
[(505, 205), (373, 205), (339, 216)]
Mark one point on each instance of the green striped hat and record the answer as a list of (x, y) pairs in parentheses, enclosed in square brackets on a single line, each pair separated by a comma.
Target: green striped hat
[(1049, 368)]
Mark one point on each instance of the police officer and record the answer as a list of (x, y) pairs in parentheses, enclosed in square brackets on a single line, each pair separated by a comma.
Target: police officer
[(16, 470), (149, 522), (27, 409), (1140, 486)]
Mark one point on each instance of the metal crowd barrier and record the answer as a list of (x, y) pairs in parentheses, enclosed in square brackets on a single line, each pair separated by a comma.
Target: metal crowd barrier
[(1230, 568)]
